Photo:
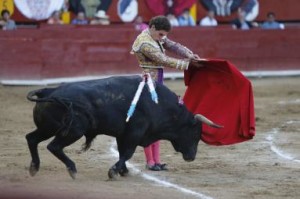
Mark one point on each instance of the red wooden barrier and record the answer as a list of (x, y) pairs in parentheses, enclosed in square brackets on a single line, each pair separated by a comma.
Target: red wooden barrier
[(68, 51)]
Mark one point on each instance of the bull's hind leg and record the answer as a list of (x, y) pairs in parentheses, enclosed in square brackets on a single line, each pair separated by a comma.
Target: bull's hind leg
[(33, 139), (59, 143)]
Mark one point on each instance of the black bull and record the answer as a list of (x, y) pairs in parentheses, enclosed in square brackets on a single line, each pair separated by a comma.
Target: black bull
[(90, 108)]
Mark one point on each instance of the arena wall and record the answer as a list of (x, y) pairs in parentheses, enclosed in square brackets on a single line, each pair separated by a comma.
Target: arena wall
[(75, 51)]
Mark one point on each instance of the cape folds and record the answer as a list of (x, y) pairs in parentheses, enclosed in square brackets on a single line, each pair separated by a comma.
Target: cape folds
[(219, 91)]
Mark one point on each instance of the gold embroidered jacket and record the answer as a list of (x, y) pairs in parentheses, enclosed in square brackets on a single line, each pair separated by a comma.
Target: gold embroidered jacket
[(151, 54)]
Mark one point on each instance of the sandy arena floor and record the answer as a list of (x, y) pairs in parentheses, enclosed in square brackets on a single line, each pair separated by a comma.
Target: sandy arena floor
[(267, 167)]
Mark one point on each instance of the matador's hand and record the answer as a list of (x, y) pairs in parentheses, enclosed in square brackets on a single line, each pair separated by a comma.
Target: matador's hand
[(194, 57), (196, 64)]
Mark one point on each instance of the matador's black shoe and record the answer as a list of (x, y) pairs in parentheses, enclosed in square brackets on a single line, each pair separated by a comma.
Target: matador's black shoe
[(163, 167), (154, 167)]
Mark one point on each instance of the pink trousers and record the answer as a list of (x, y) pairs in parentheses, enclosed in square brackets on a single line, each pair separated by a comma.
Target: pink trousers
[(152, 153)]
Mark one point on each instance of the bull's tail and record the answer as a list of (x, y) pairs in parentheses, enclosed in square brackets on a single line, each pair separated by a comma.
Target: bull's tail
[(41, 95)]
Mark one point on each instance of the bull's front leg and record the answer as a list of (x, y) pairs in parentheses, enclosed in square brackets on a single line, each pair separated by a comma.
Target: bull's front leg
[(118, 168), (125, 153)]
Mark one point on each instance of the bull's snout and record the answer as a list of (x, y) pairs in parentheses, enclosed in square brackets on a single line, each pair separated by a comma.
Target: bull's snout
[(188, 158)]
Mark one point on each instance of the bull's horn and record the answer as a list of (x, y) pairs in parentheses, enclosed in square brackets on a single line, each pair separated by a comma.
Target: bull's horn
[(201, 118)]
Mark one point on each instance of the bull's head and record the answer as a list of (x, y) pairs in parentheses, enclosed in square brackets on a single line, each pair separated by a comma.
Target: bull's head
[(190, 135), (187, 139)]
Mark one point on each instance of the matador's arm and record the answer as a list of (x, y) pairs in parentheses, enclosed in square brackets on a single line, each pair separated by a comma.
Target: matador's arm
[(157, 56), (177, 48)]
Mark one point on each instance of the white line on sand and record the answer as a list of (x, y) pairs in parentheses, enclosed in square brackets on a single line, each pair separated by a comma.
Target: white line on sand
[(159, 181), (296, 101), (271, 137)]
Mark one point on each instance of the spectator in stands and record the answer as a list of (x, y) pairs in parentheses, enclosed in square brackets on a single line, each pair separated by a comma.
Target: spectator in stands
[(103, 6), (173, 20), (185, 19), (80, 19), (100, 18), (139, 25), (271, 23), (169, 6), (6, 22), (75, 6), (209, 20), (55, 18), (241, 23)]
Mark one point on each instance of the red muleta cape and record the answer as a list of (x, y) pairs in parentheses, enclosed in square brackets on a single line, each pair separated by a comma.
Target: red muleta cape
[(224, 95)]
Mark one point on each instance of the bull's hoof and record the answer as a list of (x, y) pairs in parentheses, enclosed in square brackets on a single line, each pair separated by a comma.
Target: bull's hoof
[(124, 172), (33, 169), (112, 174), (72, 173)]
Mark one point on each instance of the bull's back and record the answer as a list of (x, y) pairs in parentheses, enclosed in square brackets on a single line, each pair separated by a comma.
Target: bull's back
[(103, 88), (104, 103)]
